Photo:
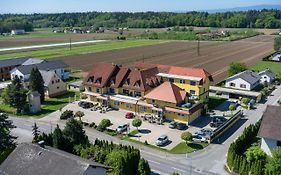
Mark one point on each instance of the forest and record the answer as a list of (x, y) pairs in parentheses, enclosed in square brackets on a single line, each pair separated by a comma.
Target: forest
[(249, 19)]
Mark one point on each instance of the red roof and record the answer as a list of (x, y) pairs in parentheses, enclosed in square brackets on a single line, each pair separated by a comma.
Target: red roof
[(175, 70), (167, 92)]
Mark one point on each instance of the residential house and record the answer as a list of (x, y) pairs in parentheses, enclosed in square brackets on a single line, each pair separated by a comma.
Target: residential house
[(246, 80), (137, 88), (23, 71), (7, 65), (267, 76), (270, 129), (276, 57), (54, 86), (29, 159), (18, 32)]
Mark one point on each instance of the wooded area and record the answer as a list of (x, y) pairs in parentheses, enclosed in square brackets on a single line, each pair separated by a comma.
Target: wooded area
[(249, 19)]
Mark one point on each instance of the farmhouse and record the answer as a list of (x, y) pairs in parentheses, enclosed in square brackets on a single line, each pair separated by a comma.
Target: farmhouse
[(163, 91), (267, 76), (7, 65), (17, 32), (246, 80), (29, 159), (270, 129)]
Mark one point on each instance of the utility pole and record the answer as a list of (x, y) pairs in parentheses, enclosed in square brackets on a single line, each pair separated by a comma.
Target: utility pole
[(70, 44), (198, 47)]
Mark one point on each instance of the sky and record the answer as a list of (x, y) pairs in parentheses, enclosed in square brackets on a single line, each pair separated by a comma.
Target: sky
[(58, 6)]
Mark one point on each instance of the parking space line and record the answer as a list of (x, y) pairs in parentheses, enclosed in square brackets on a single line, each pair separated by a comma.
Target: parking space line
[(177, 169)]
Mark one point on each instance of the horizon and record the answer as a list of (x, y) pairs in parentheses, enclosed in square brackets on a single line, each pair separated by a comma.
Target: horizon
[(72, 6)]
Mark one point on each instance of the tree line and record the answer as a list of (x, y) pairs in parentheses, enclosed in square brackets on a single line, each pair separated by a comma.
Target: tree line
[(249, 19)]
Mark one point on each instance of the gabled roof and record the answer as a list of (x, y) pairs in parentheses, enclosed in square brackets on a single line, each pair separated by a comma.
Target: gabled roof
[(268, 72), (12, 62), (247, 75), (32, 61), (29, 159), (47, 76), (47, 65), (167, 92), (175, 70), (271, 123)]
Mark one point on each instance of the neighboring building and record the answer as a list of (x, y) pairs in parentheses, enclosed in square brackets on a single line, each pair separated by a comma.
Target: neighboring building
[(246, 80), (58, 66), (76, 86), (276, 57), (7, 65), (29, 159), (17, 32), (34, 102), (54, 86), (137, 88), (270, 129), (267, 76)]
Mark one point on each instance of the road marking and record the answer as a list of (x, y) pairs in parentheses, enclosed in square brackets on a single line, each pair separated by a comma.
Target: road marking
[(179, 169), (153, 161)]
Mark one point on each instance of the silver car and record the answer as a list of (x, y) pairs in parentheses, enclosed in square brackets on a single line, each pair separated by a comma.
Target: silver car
[(122, 128), (162, 140)]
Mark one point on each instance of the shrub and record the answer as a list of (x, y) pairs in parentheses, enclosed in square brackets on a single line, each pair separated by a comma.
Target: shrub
[(255, 153), (186, 136), (103, 125), (92, 125), (245, 100), (66, 115), (232, 107)]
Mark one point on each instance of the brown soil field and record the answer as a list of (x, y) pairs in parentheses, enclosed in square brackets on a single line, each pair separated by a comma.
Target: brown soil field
[(215, 57)]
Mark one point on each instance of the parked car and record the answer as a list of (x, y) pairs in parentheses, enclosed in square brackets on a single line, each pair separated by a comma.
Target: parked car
[(122, 128), (162, 140), (181, 126), (234, 103), (198, 138), (207, 133), (173, 125), (85, 104), (129, 115), (218, 121)]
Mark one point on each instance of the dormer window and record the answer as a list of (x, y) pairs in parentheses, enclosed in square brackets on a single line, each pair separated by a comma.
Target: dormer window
[(127, 81), (98, 81), (137, 84), (112, 82), (91, 79)]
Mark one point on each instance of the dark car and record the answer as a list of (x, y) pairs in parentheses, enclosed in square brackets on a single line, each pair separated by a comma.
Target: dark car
[(173, 125), (181, 126), (85, 105), (218, 121)]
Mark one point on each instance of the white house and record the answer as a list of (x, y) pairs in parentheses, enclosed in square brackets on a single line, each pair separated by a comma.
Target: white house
[(267, 76), (17, 32), (270, 129), (246, 80)]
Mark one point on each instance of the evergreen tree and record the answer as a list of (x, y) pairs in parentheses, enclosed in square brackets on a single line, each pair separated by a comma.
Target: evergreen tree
[(58, 139), (143, 168), (36, 83), (7, 140), (35, 133)]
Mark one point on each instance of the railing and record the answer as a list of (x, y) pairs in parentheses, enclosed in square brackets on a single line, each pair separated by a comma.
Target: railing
[(223, 128)]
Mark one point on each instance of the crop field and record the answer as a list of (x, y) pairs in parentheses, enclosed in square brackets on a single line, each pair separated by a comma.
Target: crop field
[(215, 57)]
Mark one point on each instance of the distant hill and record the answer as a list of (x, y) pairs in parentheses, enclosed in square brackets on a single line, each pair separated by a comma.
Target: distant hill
[(235, 9)]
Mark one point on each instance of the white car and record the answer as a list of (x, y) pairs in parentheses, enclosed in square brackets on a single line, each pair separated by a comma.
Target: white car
[(162, 140), (122, 128), (198, 138)]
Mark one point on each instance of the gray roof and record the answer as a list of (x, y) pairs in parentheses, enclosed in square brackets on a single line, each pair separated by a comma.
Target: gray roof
[(29, 159), (77, 83), (248, 75), (268, 72), (32, 61), (271, 123), (48, 65), (47, 76), (12, 62)]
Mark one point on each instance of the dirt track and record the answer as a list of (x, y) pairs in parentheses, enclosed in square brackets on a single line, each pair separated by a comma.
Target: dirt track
[(214, 57)]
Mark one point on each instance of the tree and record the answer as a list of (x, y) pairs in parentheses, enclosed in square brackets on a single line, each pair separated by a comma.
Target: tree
[(137, 123), (143, 168), (58, 138), (116, 159), (66, 115), (7, 140), (35, 133), (186, 136), (36, 83), (274, 163), (277, 43), (79, 114), (232, 108), (255, 153), (235, 68), (75, 133), (103, 125), (245, 100)]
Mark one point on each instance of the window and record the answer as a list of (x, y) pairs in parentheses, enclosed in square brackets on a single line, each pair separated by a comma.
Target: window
[(142, 108), (90, 89), (98, 90), (128, 105), (112, 91), (153, 101), (182, 81), (232, 84), (137, 94), (192, 92), (192, 83), (125, 92), (242, 86), (116, 103), (171, 80), (58, 87)]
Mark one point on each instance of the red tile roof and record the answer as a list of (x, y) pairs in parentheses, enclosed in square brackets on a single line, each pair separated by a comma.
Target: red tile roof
[(167, 92), (182, 71)]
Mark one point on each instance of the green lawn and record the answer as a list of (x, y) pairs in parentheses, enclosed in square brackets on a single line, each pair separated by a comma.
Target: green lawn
[(214, 102), (49, 106), (182, 148), (274, 66), (77, 50)]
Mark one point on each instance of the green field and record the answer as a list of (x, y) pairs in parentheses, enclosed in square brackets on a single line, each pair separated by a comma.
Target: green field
[(182, 147), (274, 66), (77, 50)]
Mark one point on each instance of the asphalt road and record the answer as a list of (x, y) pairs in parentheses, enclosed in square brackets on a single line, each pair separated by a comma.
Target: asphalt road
[(50, 45), (209, 161)]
